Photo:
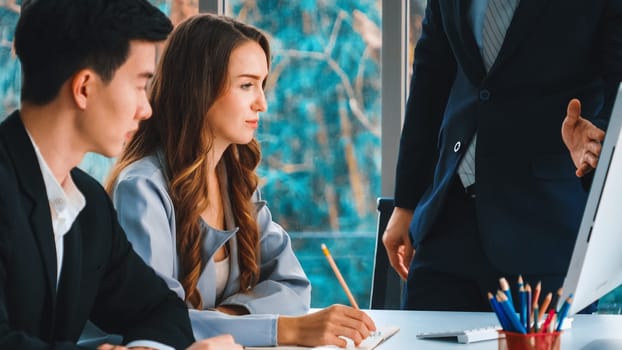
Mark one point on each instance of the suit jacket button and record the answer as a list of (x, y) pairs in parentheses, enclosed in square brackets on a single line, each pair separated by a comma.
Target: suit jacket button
[(484, 95), (457, 146)]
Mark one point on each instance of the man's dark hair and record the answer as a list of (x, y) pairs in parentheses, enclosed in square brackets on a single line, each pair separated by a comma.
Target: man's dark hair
[(54, 39)]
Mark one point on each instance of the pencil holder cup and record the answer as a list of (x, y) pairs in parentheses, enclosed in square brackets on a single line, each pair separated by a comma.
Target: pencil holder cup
[(530, 341)]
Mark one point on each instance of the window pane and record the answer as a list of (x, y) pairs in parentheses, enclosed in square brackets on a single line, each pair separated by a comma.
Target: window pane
[(320, 137), (10, 74), (416, 11)]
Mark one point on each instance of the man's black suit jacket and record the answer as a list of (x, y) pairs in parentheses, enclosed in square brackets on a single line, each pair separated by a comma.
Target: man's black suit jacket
[(529, 201), (102, 278)]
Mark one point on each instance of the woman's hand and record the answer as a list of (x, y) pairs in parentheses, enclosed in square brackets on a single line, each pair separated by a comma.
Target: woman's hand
[(326, 327)]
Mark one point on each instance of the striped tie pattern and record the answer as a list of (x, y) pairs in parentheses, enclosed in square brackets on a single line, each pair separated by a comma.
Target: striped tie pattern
[(498, 16)]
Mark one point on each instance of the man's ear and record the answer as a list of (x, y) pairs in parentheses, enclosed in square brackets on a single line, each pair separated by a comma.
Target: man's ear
[(82, 87)]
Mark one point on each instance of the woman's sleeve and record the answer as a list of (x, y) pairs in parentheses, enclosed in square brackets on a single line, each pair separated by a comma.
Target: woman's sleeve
[(248, 330)]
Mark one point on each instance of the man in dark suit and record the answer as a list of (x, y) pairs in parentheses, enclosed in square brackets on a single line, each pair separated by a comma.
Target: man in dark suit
[(485, 187), (63, 257)]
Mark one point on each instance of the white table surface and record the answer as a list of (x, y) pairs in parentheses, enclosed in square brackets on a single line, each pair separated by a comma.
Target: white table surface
[(588, 332)]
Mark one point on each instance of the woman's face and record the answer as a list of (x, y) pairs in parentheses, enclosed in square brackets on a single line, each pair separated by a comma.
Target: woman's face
[(234, 116)]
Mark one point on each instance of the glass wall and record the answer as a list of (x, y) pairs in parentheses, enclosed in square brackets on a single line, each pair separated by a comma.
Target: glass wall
[(10, 75)]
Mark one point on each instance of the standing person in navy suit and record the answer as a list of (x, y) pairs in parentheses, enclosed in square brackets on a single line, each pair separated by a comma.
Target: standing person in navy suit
[(64, 259), (485, 186)]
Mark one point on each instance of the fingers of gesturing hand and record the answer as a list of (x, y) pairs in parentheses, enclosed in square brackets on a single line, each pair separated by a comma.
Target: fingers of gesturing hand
[(594, 147), (588, 157), (589, 161), (585, 146), (588, 137), (583, 139), (595, 134), (573, 112)]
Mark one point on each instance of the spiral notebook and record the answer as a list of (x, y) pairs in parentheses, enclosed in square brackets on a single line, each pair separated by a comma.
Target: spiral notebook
[(372, 342)]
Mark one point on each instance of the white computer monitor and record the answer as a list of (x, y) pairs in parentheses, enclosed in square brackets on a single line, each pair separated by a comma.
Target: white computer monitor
[(596, 263)]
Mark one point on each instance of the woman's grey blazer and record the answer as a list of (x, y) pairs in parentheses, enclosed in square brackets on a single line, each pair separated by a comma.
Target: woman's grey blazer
[(147, 215)]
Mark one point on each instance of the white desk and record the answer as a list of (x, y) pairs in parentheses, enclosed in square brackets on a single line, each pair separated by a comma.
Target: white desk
[(589, 332)]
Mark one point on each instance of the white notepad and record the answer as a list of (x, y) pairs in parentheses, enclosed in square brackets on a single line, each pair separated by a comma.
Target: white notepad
[(370, 343)]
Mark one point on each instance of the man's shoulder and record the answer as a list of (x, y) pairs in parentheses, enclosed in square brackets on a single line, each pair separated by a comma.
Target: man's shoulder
[(9, 128)]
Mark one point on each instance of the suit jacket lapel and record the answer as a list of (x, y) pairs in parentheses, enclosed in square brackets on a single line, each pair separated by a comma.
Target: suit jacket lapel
[(29, 175), (69, 284), (461, 38), (523, 22)]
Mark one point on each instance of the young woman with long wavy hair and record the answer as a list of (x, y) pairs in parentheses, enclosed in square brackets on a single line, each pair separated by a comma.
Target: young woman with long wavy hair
[(186, 192)]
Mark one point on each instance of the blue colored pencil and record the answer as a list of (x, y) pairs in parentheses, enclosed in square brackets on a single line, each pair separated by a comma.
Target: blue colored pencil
[(529, 307), (563, 312), (510, 313), (494, 304), (505, 287), (522, 307)]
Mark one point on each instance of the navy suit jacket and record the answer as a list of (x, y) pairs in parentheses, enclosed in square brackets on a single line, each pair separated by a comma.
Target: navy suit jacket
[(529, 201), (102, 278)]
